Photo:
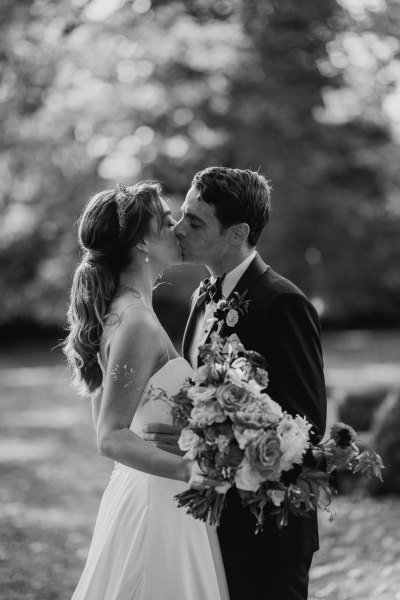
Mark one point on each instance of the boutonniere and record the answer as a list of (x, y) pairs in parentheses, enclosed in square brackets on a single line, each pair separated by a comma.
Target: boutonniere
[(230, 311)]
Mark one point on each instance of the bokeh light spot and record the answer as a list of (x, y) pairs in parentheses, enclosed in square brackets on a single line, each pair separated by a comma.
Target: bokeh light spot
[(144, 134), (177, 146), (119, 166), (141, 6), (313, 256)]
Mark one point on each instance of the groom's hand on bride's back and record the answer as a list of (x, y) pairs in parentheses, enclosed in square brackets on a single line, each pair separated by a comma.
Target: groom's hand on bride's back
[(163, 436)]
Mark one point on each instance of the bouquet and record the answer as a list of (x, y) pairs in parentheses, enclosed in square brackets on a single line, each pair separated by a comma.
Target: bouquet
[(241, 437)]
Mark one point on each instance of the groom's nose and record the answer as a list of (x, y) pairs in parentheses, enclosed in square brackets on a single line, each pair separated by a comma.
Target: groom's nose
[(179, 229)]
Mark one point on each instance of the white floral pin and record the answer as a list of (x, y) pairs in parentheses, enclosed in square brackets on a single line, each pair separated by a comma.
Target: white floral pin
[(230, 311), (232, 318)]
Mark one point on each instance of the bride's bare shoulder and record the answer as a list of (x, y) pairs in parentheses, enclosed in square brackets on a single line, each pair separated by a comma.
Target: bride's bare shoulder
[(138, 323), (139, 314)]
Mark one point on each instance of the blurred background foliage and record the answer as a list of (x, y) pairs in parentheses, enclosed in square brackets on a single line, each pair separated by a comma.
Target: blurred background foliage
[(93, 92)]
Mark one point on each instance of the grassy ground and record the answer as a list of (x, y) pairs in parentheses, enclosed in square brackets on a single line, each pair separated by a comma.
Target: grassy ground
[(52, 479)]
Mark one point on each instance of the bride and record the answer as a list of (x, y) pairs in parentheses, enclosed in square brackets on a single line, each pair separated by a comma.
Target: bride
[(143, 546)]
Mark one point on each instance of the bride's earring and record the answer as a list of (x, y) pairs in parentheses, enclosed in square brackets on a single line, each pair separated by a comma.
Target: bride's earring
[(141, 246)]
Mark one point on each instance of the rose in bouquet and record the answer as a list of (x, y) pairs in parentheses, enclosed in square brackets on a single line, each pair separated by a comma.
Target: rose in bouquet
[(241, 437)]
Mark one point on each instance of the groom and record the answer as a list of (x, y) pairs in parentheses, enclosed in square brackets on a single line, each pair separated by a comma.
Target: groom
[(223, 216)]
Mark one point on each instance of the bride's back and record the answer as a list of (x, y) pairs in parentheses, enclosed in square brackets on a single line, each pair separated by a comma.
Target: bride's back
[(122, 312)]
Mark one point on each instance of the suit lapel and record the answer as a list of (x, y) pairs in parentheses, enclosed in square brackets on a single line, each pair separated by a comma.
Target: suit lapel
[(190, 326), (255, 269)]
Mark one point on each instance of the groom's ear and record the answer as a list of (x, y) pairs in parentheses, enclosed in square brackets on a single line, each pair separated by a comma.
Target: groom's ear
[(239, 234)]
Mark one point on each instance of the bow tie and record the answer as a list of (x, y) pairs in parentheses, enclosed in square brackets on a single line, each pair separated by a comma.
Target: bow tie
[(210, 292)]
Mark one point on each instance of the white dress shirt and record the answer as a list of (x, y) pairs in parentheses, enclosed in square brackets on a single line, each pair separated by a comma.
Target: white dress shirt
[(204, 319)]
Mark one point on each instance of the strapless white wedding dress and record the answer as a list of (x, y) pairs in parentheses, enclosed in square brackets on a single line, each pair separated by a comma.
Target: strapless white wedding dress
[(144, 547)]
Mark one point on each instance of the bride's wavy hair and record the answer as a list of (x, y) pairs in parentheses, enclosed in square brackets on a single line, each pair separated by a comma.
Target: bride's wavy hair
[(111, 224)]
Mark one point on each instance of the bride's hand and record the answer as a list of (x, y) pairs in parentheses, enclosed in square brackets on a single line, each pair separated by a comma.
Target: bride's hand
[(197, 479), (163, 436)]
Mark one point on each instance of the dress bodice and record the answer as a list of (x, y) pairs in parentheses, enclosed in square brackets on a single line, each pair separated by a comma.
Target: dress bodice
[(152, 407)]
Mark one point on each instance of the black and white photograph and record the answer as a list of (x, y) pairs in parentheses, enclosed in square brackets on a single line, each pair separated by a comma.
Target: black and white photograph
[(200, 306)]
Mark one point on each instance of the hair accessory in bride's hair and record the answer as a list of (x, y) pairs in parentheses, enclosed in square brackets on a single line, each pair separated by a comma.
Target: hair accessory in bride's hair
[(122, 198)]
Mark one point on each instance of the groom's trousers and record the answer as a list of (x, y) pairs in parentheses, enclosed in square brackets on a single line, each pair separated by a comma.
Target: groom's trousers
[(271, 565), (279, 580)]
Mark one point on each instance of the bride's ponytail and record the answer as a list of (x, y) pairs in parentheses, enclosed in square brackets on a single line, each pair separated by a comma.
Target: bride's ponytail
[(93, 288), (112, 223)]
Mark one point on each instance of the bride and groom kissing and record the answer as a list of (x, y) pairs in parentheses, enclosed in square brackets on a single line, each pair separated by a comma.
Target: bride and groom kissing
[(143, 546)]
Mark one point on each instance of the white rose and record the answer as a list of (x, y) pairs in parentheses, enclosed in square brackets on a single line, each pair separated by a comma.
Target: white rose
[(246, 478), (206, 414), (189, 442), (260, 412), (232, 318), (237, 376), (200, 394)]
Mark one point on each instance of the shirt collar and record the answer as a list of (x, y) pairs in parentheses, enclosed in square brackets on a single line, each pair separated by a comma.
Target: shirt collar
[(231, 279)]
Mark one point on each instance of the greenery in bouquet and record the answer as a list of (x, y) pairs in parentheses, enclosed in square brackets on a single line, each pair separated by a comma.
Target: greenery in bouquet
[(241, 437)]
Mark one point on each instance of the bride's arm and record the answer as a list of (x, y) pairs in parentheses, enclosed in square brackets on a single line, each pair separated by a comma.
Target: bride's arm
[(136, 351), (96, 403)]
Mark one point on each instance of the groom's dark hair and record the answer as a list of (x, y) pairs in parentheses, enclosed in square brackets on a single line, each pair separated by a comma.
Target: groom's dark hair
[(239, 196)]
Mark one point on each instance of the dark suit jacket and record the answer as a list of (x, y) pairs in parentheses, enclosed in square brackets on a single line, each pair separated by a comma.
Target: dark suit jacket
[(283, 326)]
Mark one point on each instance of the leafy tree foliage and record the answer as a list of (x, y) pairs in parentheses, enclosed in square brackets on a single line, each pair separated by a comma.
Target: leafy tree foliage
[(95, 92)]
